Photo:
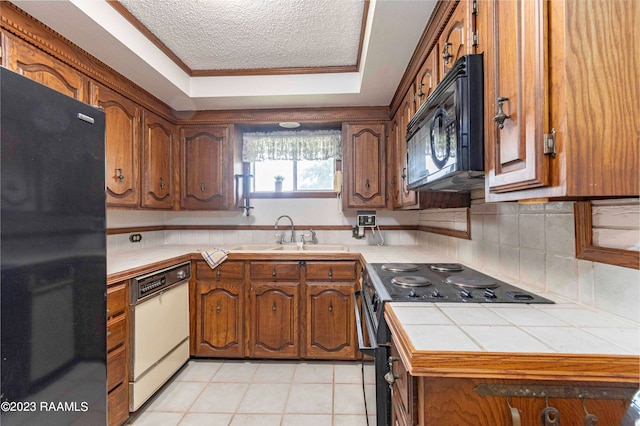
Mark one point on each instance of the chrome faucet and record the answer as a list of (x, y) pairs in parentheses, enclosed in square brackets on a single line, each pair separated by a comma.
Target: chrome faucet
[(281, 235)]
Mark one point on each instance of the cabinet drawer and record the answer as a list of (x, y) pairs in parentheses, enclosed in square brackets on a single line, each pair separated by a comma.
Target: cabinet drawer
[(274, 271), (118, 405), (116, 331), (227, 270), (116, 367), (116, 299), (324, 271), (404, 389)]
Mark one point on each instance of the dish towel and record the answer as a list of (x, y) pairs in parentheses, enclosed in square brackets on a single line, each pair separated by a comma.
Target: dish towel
[(214, 256)]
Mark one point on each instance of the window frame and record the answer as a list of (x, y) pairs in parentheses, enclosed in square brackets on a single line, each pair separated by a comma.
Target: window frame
[(246, 169)]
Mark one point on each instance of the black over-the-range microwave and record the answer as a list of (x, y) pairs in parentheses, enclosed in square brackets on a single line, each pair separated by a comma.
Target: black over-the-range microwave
[(445, 138)]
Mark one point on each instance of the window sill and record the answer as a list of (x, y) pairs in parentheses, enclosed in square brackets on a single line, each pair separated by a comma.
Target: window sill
[(294, 194)]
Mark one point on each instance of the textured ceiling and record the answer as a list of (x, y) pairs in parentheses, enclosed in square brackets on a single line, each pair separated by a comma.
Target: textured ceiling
[(210, 37), (255, 34)]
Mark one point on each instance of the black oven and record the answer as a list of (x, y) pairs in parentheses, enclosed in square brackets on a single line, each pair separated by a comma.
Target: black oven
[(445, 138), (422, 282), (374, 339)]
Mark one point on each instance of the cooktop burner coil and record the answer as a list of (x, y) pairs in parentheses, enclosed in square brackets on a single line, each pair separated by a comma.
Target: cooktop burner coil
[(399, 267), (465, 282), (446, 267), (411, 281)]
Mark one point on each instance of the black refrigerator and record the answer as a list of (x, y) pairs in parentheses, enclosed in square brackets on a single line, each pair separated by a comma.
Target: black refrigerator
[(53, 255)]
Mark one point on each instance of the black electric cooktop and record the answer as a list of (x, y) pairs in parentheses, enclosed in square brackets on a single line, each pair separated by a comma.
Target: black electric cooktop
[(441, 282)]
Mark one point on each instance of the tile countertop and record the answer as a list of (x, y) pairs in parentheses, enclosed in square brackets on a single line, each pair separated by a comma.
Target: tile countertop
[(479, 329)]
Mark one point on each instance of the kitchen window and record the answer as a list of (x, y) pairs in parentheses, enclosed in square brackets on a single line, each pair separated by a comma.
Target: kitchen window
[(292, 163)]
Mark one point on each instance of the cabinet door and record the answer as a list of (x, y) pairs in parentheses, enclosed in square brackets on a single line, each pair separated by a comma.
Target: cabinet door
[(427, 78), (516, 91), (219, 319), (37, 65), (364, 165), (206, 182), (408, 199), (275, 315), (157, 162), (330, 321), (122, 146), (454, 41)]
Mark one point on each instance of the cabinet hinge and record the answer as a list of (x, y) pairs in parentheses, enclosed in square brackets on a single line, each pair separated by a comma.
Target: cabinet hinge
[(475, 38), (550, 143), (474, 7)]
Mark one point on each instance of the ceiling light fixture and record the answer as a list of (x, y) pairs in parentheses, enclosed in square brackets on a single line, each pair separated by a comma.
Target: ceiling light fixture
[(289, 124)]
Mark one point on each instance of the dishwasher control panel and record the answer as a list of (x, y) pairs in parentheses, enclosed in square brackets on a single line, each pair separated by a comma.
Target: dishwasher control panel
[(147, 285)]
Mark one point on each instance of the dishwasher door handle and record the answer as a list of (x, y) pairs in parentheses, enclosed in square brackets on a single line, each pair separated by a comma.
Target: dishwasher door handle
[(367, 350)]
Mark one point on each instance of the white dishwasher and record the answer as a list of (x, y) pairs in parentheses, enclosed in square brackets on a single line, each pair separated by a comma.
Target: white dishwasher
[(159, 330)]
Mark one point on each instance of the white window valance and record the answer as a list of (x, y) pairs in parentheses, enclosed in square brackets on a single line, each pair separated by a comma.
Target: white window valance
[(292, 145)]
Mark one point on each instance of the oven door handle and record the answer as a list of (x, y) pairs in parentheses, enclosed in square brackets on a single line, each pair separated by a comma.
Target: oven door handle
[(367, 350)]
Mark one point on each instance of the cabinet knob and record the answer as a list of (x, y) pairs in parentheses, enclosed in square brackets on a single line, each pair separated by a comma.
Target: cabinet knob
[(390, 378), (162, 182), (273, 308), (367, 185), (119, 175), (330, 272), (446, 55), (330, 307), (202, 185), (218, 273), (273, 271), (501, 116), (218, 307)]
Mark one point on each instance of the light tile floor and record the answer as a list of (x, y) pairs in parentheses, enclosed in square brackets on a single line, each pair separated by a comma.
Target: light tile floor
[(257, 393)]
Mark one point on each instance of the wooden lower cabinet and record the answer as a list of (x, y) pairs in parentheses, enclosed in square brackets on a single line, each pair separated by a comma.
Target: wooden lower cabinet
[(437, 401), (117, 354), (457, 401), (330, 322), (219, 309), (274, 309), (275, 318), (404, 392)]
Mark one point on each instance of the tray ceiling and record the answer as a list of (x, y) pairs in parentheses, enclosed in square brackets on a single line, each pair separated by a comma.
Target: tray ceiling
[(254, 35), (246, 54)]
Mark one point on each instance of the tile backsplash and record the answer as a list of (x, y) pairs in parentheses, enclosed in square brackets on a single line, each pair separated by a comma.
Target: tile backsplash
[(530, 244), (535, 245)]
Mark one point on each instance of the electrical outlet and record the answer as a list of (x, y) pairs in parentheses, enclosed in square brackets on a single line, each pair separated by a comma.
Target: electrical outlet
[(135, 238)]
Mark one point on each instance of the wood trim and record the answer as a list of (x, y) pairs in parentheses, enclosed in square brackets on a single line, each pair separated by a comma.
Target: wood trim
[(504, 365), (432, 31), (293, 194), (128, 230), (267, 116), (584, 242), (241, 72), (148, 34), (465, 235), (274, 71), (22, 25)]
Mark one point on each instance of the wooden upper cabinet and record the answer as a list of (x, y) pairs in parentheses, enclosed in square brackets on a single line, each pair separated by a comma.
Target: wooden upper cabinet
[(364, 165), (157, 162), (516, 95), (38, 66), (206, 168), (427, 78), (454, 41), (408, 199), (122, 146), (393, 184), (545, 87)]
